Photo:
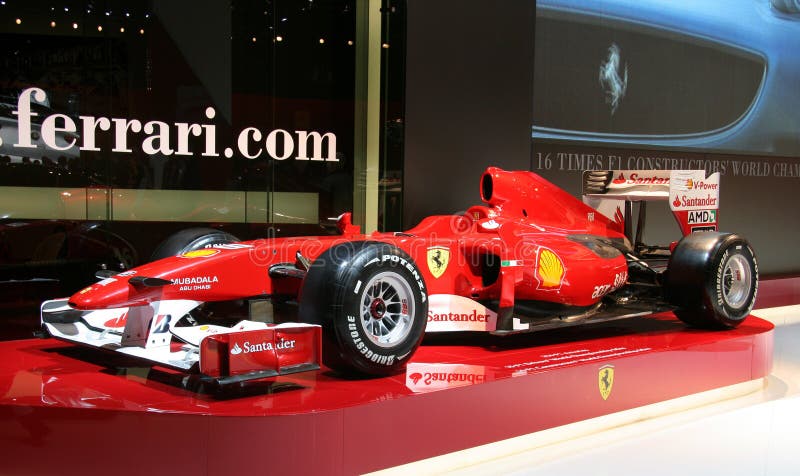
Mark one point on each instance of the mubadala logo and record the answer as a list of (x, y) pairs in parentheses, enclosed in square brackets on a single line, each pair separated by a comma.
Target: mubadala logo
[(195, 283), (702, 216), (196, 280)]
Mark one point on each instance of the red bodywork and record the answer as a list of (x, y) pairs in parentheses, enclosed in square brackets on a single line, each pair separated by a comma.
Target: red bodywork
[(537, 232)]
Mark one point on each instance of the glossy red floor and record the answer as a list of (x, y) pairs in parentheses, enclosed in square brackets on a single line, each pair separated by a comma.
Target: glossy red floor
[(70, 410)]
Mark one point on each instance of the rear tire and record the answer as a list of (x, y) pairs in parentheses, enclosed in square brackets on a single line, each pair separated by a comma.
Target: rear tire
[(370, 300), (191, 239), (713, 279)]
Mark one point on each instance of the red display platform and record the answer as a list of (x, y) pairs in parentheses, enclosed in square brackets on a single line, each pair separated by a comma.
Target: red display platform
[(69, 410)]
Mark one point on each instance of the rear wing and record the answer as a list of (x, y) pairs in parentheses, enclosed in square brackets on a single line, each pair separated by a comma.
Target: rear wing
[(693, 198)]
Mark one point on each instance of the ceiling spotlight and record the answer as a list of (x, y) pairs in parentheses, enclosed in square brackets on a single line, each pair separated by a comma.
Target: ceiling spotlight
[(99, 28), (18, 21), (279, 38), (52, 24), (385, 45), (122, 29), (322, 41), (254, 39), (349, 42), (74, 26), (141, 31)]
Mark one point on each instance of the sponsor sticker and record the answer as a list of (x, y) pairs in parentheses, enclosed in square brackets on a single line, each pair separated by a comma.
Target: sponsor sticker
[(633, 178), (264, 346), (549, 269), (449, 312), (195, 283), (116, 322), (691, 190), (490, 225), (204, 253), (230, 246), (702, 217)]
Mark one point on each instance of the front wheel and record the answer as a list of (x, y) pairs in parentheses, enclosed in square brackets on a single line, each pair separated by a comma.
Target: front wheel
[(713, 279), (191, 239), (370, 300)]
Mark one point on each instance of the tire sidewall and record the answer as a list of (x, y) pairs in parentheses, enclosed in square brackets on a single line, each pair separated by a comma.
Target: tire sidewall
[(727, 314), (355, 344)]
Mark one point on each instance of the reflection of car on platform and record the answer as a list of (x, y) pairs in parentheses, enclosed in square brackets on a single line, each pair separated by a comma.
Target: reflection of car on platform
[(532, 257)]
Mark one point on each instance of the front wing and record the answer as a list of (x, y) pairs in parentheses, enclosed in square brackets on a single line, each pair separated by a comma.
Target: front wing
[(247, 350)]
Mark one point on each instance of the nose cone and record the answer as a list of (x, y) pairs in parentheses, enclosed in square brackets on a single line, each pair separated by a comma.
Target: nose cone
[(110, 293)]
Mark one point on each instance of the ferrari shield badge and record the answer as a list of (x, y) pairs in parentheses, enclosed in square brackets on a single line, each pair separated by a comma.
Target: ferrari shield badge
[(605, 380), (438, 258)]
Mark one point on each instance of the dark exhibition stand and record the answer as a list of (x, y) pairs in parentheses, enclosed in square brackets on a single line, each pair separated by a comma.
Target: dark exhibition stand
[(75, 411)]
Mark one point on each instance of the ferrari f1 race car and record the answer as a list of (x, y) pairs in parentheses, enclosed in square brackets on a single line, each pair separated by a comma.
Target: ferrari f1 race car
[(531, 257)]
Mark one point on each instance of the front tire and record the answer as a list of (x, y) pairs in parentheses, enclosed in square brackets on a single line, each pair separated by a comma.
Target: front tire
[(191, 239), (369, 298), (713, 279)]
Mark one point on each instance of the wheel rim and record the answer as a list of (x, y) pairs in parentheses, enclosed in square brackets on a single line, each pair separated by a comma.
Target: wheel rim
[(736, 281), (387, 305)]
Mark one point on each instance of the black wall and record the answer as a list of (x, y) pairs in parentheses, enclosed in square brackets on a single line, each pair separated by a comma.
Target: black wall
[(468, 99)]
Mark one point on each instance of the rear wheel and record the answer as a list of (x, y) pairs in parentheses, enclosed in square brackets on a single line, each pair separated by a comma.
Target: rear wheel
[(369, 299), (713, 279)]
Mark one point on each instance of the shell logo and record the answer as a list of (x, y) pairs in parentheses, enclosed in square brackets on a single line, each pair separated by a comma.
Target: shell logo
[(204, 253), (549, 269)]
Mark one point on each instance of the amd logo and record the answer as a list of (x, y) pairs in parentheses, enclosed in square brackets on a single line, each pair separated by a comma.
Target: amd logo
[(702, 216)]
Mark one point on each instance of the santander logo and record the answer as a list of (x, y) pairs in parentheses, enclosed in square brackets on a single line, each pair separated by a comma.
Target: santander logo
[(236, 350), (636, 179)]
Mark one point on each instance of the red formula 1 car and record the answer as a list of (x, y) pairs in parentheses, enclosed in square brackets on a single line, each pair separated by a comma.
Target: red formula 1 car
[(532, 257)]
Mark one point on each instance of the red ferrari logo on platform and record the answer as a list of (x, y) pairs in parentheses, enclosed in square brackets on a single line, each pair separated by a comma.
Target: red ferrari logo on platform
[(605, 380)]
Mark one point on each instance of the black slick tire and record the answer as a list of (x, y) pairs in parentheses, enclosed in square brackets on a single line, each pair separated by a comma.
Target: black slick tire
[(191, 239), (713, 279), (370, 299)]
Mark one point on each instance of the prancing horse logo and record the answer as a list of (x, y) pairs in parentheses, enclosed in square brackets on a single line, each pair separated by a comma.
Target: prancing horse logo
[(605, 380), (612, 83), (438, 257)]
